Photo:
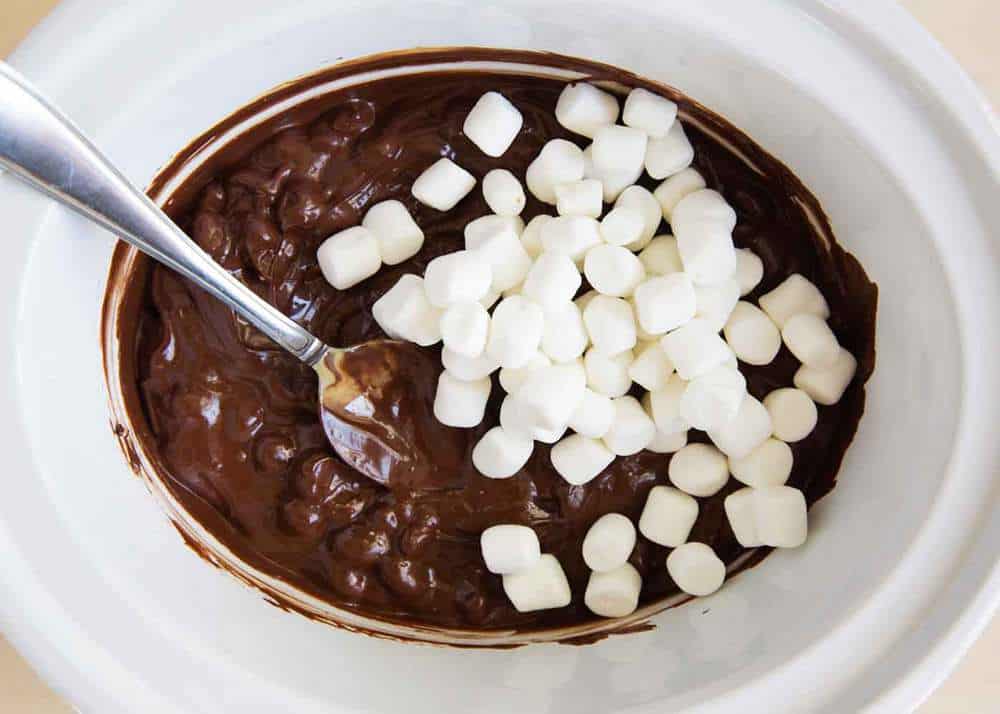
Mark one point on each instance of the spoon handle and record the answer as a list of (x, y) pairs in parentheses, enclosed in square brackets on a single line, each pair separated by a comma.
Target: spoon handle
[(42, 147)]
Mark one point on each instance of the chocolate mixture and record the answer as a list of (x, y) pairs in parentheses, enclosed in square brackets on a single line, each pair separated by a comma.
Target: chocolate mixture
[(233, 420)]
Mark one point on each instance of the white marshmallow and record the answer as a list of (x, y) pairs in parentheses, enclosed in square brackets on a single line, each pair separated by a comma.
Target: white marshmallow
[(661, 256), (715, 303), (492, 124), (622, 226), (664, 406), (466, 368), (580, 198), (552, 281), (752, 335), (515, 421), (695, 348), (348, 257), (811, 340), (707, 252), (613, 270), (398, 235), (501, 453), (632, 430), (670, 192), (651, 369), (699, 470), (509, 548), (565, 336), (669, 154), (443, 185), (619, 149), (712, 400), (665, 302), (614, 593), (515, 331), (749, 270), (542, 586), (745, 432), (612, 182), (827, 386), (593, 416), (770, 464), (531, 238), (580, 459), (781, 516), (609, 542), (550, 395), (405, 313), (793, 414), (460, 403), (610, 324), (559, 161), (583, 108), (478, 231), (608, 374), (795, 295), (584, 300), (490, 299), (668, 516), (696, 569), (464, 328), (667, 443), (501, 246), (739, 507), (462, 276), (703, 206), (503, 193), (640, 199), (570, 235), (649, 112), (511, 379)]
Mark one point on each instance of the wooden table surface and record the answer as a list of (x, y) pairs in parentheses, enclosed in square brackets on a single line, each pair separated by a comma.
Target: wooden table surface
[(969, 30)]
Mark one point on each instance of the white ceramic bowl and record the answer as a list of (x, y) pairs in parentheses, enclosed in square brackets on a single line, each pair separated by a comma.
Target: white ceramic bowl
[(901, 568)]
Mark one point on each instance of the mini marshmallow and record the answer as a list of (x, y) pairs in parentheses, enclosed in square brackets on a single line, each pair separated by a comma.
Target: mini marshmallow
[(669, 154), (610, 324), (584, 300), (511, 379), (745, 432), (622, 226), (619, 149), (492, 124), (462, 276), (770, 464), (583, 108), (664, 406), (478, 232), (608, 374), (609, 542), (811, 340), (614, 593), (661, 256), (694, 348), (670, 192), (667, 443), (649, 112), (793, 414), (580, 198), (715, 303), (348, 257), (501, 246), (632, 430), (443, 185), (531, 237), (696, 569), (542, 586), (827, 386), (509, 548), (707, 252), (503, 193), (749, 270), (515, 331), (613, 270), (460, 403), (501, 453), (398, 235), (739, 507), (513, 420), (612, 182), (795, 295), (469, 369), (665, 302), (703, 206), (490, 299), (579, 459), (559, 161), (712, 400), (752, 335), (641, 200), (781, 517), (699, 470), (668, 516), (405, 313), (550, 395), (464, 328), (565, 336), (570, 235), (552, 281), (593, 416), (651, 369)]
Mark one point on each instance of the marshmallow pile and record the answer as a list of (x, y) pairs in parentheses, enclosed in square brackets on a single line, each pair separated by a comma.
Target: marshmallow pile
[(666, 312)]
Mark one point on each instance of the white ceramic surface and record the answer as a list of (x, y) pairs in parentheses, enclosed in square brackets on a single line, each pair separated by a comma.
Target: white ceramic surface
[(900, 571)]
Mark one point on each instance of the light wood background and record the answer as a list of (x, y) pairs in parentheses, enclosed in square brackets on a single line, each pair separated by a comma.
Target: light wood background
[(969, 30)]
